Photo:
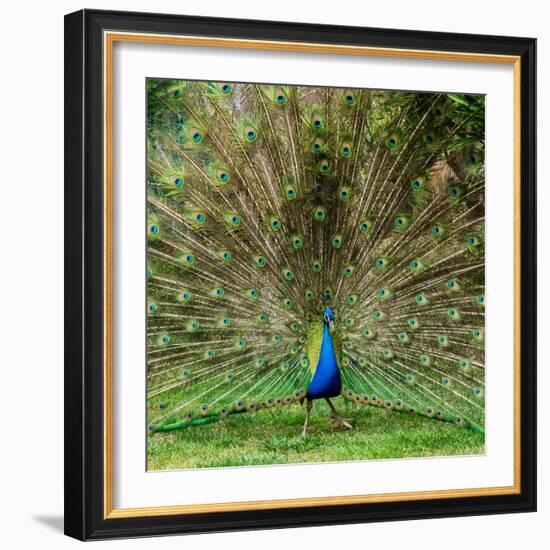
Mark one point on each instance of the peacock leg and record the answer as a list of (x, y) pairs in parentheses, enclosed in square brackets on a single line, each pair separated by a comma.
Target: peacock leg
[(337, 418), (309, 404)]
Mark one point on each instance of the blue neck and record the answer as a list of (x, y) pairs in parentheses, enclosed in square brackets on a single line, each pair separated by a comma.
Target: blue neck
[(326, 380)]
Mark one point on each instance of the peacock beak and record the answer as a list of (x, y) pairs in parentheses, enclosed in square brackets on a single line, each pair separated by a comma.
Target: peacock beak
[(331, 323)]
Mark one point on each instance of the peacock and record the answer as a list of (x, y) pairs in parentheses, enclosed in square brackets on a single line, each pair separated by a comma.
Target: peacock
[(313, 243)]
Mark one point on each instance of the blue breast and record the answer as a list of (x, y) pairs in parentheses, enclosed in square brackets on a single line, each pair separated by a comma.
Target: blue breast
[(326, 381)]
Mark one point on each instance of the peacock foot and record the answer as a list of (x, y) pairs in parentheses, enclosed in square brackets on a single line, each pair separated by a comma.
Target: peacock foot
[(340, 421)]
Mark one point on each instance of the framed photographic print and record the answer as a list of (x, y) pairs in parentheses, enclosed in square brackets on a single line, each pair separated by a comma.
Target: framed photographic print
[(300, 274)]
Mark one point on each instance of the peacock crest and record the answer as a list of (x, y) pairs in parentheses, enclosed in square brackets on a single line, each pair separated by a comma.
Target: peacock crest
[(268, 206)]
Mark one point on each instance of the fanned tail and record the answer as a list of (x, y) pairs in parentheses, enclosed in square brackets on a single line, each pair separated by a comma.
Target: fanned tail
[(266, 201)]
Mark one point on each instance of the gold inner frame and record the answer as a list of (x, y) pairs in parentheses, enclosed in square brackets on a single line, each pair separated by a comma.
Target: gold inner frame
[(109, 39)]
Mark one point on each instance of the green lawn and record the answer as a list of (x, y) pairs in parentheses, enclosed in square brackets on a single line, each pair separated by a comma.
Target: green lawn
[(273, 437)]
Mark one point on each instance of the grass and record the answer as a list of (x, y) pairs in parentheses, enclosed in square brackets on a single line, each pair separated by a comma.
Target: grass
[(273, 437)]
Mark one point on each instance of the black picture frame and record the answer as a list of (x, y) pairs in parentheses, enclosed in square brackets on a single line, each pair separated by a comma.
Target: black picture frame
[(84, 281)]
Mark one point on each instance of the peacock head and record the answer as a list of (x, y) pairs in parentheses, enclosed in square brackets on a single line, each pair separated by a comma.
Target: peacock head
[(328, 316)]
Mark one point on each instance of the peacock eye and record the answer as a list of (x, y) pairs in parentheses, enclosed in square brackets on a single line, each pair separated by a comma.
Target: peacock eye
[(348, 271), (401, 222), (337, 241), (324, 167), (317, 145), (437, 230), (297, 242), (226, 88), (346, 150), (344, 194), (452, 284), (429, 139), (417, 183), (280, 97), (454, 314), (250, 134), (319, 213), (288, 274), (177, 181), (416, 265), (349, 98), (196, 136), (391, 142), (222, 176)]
